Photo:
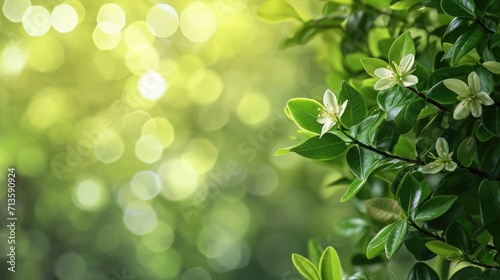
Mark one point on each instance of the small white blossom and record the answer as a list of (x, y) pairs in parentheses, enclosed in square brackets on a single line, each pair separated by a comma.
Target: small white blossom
[(442, 161), (330, 114), (471, 97), (394, 74)]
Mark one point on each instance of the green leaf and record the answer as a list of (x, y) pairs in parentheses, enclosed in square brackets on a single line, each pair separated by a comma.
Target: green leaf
[(461, 72), (482, 134), (277, 11), (304, 113), (457, 236), (350, 227), (353, 189), (409, 194), (305, 267), (415, 243), (282, 151), (355, 111), (372, 64), (327, 147), (445, 220), (329, 265), (459, 8), (383, 209), (377, 244), (492, 66), (445, 250), (361, 161), (314, 250), (421, 271), (455, 183), (469, 273), (442, 94), (489, 195), (465, 43), (405, 5), (490, 119), (402, 46), (396, 237), (309, 30), (435, 207), (467, 151)]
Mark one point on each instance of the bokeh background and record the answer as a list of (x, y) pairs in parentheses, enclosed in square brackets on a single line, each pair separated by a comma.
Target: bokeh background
[(143, 133)]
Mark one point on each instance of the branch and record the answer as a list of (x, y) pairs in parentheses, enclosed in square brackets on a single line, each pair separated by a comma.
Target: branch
[(435, 236), (430, 100)]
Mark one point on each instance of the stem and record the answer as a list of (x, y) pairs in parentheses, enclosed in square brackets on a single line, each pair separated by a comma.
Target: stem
[(387, 155), (435, 236), (478, 21), (430, 100)]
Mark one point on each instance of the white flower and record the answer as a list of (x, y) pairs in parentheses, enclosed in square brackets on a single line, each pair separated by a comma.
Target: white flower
[(330, 113), (471, 97), (444, 159), (401, 74)]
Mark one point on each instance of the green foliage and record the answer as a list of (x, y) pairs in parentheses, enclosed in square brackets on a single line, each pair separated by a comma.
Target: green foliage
[(427, 103), (328, 267)]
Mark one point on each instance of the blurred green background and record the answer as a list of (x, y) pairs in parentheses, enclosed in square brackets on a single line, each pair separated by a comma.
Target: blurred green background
[(143, 133)]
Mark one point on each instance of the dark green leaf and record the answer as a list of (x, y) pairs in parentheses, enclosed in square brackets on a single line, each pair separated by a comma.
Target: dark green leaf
[(396, 237), (490, 120), (402, 46), (329, 265), (361, 161), (305, 267), (489, 195), (467, 151), (422, 271), (465, 43), (415, 243), (355, 111), (445, 220), (383, 209), (327, 147), (409, 194), (457, 236), (377, 244), (482, 134), (442, 94), (304, 113), (459, 8), (468, 273), (460, 72), (455, 183), (435, 207)]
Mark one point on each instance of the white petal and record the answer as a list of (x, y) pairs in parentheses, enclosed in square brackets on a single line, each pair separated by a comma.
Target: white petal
[(432, 168), (476, 108), (323, 120), (342, 108), (442, 148), (407, 63), (451, 166), (383, 84), (410, 80), (383, 73), (462, 110), (326, 127), (474, 82), (456, 86), (485, 98), (329, 99)]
